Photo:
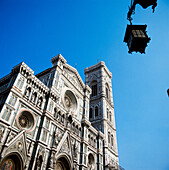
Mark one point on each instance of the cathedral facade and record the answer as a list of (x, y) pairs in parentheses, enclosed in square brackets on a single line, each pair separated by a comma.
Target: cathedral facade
[(55, 121)]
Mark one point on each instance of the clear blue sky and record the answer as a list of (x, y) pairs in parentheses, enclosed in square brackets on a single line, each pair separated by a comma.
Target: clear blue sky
[(83, 31)]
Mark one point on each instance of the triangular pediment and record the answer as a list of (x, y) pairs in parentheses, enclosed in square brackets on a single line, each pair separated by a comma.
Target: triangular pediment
[(73, 76), (18, 144), (65, 145)]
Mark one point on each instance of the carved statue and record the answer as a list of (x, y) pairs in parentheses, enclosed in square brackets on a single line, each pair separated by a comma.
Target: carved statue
[(58, 137), (51, 160), (33, 98), (75, 150), (27, 93), (39, 104), (39, 159), (1, 134)]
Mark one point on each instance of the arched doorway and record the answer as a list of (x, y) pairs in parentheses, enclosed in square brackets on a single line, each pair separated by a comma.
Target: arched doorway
[(11, 162), (62, 164)]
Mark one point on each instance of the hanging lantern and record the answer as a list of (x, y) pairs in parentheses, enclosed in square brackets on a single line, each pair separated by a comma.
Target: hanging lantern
[(136, 38)]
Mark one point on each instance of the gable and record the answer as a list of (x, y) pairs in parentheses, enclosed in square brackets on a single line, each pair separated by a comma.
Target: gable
[(18, 144), (65, 146), (73, 76)]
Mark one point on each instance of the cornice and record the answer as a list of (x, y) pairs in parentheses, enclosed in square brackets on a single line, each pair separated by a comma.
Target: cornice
[(96, 66)]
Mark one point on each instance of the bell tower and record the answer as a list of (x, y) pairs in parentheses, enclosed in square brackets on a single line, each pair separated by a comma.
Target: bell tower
[(101, 113)]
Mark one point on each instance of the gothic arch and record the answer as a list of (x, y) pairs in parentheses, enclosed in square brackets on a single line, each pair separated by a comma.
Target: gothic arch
[(94, 87), (107, 89), (96, 111), (12, 160), (63, 162), (91, 161), (91, 113)]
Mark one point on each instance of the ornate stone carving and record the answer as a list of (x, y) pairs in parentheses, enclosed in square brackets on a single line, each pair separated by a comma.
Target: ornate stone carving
[(51, 162), (27, 92), (40, 158), (11, 136), (76, 150), (68, 102), (39, 103), (26, 120), (65, 147), (91, 162), (1, 133), (58, 137)]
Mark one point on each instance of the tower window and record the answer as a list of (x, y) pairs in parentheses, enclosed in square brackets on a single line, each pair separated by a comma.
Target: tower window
[(96, 111), (110, 117), (109, 137), (94, 88), (90, 113), (107, 113), (112, 140), (107, 91)]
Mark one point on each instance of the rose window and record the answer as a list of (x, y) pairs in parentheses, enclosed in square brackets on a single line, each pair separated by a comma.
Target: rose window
[(26, 120), (23, 121), (70, 101)]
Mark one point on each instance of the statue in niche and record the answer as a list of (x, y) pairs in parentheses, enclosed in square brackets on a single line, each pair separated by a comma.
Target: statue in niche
[(75, 150), (39, 159), (75, 166), (51, 161), (33, 97), (58, 137), (55, 112), (39, 104), (1, 134), (28, 91)]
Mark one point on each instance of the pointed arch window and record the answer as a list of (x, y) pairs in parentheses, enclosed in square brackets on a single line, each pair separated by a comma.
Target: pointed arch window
[(112, 140), (107, 91), (110, 117), (96, 111), (91, 113), (107, 113), (109, 137), (94, 88), (20, 83)]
